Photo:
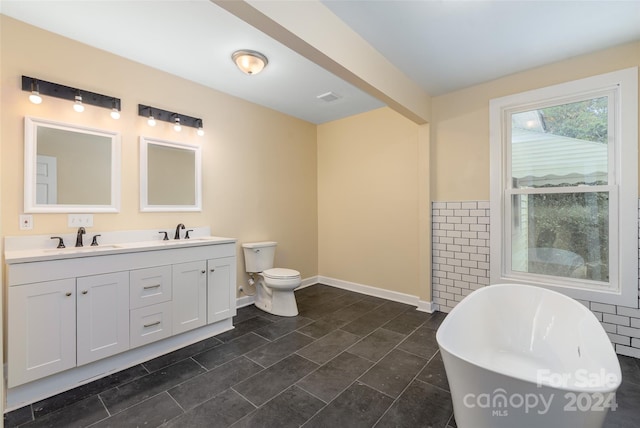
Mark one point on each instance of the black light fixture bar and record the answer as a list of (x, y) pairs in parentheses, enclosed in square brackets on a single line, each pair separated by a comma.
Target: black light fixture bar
[(168, 116), (68, 93)]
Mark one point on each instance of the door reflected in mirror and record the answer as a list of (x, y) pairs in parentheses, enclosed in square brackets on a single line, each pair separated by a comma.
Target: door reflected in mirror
[(70, 168), (170, 176)]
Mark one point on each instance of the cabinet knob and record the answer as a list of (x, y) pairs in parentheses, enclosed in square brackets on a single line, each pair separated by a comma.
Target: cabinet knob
[(68, 293), (212, 270), (204, 271), (85, 291)]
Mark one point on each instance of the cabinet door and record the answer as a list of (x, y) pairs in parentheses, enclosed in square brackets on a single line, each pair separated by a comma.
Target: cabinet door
[(189, 296), (42, 337), (103, 316), (221, 289)]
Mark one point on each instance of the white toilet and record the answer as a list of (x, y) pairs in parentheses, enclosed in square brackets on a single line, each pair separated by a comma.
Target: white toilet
[(274, 286)]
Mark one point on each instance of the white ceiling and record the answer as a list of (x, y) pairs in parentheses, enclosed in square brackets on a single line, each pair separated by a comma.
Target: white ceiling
[(441, 45)]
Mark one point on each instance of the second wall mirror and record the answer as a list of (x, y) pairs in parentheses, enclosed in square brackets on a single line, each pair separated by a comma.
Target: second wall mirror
[(170, 176)]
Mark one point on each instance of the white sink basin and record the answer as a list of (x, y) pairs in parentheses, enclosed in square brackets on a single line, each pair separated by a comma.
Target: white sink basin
[(70, 250)]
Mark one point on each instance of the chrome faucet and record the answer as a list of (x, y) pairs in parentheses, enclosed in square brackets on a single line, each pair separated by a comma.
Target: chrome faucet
[(81, 232), (178, 227)]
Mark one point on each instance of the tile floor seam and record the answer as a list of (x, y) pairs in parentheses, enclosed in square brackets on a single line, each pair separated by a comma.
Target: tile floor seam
[(243, 397), (451, 418), (414, 379), (197, 362), (330, 401), (103, 419), (435, 386), (299, 332), (314, 415), (380, 359), (264, 337), (254, 361), (135, 404), (309, 392), (416, 355), (182, 408), (302, 356), (104, 405), (377, 390)]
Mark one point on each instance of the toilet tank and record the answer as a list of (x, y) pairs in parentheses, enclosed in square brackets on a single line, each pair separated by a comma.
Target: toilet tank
[(259, 256)]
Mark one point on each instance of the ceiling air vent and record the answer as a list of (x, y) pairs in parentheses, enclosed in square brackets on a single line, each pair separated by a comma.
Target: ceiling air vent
[(329, 97)]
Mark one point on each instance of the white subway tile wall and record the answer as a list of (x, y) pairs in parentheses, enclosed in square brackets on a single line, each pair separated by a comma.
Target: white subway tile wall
[(461, 264)]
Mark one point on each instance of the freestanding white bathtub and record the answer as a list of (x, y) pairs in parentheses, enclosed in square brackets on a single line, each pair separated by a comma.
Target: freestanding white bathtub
[(518, 356)]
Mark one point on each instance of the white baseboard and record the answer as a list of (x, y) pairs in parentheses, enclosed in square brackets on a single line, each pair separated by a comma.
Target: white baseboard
[(421, 305), (243, 301)]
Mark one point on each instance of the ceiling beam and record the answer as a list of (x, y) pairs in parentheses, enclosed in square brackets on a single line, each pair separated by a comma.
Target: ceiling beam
[(313, 31)]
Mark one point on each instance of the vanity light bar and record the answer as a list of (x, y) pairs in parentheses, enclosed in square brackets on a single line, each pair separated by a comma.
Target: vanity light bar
[(68, 93), (171, 117)]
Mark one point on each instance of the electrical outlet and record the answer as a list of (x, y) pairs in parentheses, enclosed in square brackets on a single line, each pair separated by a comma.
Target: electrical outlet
[(26, 222), (80, 220)]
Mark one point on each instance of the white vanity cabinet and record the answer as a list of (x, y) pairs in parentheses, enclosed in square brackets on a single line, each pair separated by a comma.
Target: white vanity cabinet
[(77, 318)]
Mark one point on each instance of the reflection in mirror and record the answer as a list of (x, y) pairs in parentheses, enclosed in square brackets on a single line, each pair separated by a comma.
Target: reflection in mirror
[(169, 176), (69, 168)]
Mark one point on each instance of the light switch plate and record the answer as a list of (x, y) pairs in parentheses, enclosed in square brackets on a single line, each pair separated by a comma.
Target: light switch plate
[(80, 220), (26, 222)]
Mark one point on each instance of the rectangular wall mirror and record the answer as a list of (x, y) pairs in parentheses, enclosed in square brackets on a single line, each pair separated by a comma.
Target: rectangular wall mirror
[(170, 176), (70, 168)]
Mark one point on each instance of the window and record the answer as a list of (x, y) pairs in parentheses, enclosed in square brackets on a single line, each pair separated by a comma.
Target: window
[(564, 188)]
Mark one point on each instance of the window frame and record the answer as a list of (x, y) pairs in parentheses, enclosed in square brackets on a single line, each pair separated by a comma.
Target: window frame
[(622, 88)]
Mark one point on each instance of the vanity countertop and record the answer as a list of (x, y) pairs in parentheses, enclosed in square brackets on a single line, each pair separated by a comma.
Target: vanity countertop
[(27, 249)]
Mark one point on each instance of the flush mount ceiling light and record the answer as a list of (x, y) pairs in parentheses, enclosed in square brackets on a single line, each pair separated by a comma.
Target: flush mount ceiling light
[(249, 62), (81, 98)]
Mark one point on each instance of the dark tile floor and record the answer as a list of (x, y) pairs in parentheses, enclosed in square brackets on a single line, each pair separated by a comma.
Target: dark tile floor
[(348, 360)]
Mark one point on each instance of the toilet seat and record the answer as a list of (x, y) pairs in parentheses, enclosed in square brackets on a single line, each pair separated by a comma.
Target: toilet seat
[(281, 279), (281, 273)]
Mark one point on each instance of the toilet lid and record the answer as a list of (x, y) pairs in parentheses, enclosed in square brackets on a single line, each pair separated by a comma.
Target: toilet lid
[(281, 273)]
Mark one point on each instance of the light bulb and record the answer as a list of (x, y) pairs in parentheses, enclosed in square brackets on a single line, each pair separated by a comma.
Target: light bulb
[(78, 106), (151, 121), (115, 109), (200, 131), (35, 97), (177, 126), (35, 92)]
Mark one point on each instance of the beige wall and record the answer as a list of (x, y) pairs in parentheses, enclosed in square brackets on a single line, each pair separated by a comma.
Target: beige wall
[(460, 127), (369, 202), (259, 166)]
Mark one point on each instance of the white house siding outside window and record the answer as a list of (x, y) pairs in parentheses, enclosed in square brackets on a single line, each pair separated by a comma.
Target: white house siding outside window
[(564, 188)]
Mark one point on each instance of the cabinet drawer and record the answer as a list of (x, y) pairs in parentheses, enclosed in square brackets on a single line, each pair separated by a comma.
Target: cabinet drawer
[(150, 286), (150, 323)]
